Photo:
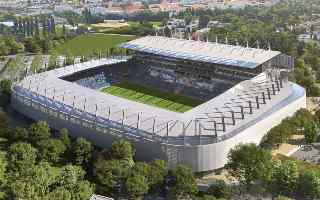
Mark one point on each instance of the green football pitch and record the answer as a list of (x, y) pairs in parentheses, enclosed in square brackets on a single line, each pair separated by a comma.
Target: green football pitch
[(153, 97)]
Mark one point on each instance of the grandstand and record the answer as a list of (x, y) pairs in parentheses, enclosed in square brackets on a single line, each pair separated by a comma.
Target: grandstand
[(242, 92)]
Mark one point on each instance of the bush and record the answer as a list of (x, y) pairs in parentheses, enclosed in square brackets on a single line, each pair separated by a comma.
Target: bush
[(280, 197), (5, 87), (309, 184), (220, 190)]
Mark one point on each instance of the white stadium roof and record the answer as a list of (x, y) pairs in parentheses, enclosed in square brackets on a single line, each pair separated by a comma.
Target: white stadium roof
[(202, 51)]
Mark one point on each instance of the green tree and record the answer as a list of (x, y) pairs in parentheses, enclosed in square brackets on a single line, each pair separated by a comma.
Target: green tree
[(36, 64), (157, 173), (53, 60), (300, 118), (21, 157), (39, 131), (309, 184), (59, 193), (64, 137), (122, 150), (285, 176), (69, 59), (71, 179), (23, 190), (280, 197), (18, 134), (248, 163), (69, 176), (183, 183), (5, 87), (3, 124), (3, 166), (51, 150), (310, 132), (137, 186), (42, 178), (111, 175), (83, 191), (220, 190), (14, 65), (81, 150), (317, 117)]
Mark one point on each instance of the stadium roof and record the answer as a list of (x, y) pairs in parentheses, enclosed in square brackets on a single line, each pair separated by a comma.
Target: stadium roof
[(202, 51)]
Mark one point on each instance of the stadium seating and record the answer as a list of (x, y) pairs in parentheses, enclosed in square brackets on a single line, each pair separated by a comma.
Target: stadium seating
[(160, 77)]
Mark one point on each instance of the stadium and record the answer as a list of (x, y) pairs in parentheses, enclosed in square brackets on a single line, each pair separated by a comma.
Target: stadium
[(188, 102)]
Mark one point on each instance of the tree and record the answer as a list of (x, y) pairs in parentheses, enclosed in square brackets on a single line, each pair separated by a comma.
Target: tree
[(285, 176), (183, 183), (301, 117), (220, 190), (64, 137), (53, 60), (122, 149), (21, 157), (280, 133), (317, 117), (248, 163), (42, 178), (71, 179), (309, 184), (69, 60), (83, 191), (137, 185), (81, 151), (157, 173), (5, 87), (3, 166), (23, 190), (70, 175), (111, 175), (39, 131), (59, 193), (36, 63), (310, 132), (3, 124), (51, 150), (18, 134), (14, 65), (280, 197)]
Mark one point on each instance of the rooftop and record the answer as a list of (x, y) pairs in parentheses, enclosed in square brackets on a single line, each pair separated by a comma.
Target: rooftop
[(202, 51)]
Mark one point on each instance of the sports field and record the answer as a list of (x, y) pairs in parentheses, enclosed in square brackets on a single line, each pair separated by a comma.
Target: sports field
[(86, 44), (153, 97)]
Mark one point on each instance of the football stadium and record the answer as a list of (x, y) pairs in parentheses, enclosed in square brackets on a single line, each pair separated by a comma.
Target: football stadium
[(187, 102)]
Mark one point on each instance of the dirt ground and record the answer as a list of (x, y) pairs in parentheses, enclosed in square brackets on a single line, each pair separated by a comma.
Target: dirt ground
[(111, 25)]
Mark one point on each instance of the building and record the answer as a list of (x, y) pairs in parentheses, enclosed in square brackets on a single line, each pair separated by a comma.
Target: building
[(245, 93)]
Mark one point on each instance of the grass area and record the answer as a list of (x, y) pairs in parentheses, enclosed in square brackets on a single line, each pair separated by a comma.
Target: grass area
[(156, 23), (86, 44), (153, 97)]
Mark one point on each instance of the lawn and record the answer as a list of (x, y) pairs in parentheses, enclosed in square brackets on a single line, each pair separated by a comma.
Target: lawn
[(88, 43), (153, 97)]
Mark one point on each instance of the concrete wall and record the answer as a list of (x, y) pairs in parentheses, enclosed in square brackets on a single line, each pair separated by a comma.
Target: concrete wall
[(145, 149), (214, 156)]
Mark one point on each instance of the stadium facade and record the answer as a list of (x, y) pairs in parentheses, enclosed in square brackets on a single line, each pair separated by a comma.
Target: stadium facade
[(245, 92)]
